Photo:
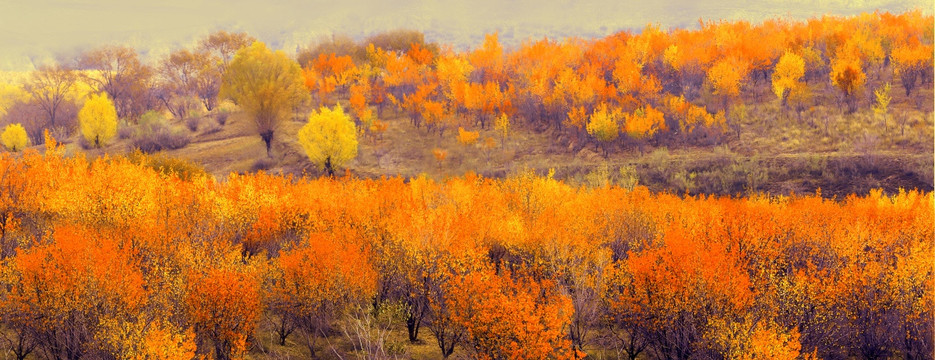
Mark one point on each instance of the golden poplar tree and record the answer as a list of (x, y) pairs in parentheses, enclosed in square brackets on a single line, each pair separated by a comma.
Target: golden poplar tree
[(267, 85), (789, 70), (329, 138), (14, 137), (98, 120)]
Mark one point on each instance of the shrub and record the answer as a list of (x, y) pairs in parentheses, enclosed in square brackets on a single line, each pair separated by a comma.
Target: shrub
[(221, 117), (150, 117), (629, 178), (684, 181), (153, 134), (192, 123), (167, 165), (600, 176), (262, 164)]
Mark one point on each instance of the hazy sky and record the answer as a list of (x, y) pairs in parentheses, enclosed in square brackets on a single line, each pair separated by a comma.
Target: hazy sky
[(37, 31)]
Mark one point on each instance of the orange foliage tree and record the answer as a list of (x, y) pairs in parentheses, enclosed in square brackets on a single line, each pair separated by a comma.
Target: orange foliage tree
[(314, 285), (224, 307)]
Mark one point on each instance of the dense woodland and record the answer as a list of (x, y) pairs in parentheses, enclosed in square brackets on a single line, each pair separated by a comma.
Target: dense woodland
[(143, 256), (116, 259)]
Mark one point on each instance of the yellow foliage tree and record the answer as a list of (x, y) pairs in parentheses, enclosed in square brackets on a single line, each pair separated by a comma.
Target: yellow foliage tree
[(644, 122), (789, 70), (603, 125), (726, 76), (98, 119), (14, 137), (267, 85), (502, 125), (881, 107), (329, 138)]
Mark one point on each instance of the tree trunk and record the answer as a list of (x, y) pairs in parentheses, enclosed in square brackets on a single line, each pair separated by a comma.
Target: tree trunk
[(267, 137), (329, 168), (412, 325)]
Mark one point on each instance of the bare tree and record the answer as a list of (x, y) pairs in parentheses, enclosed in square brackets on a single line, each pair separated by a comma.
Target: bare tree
[(49, 87), (225, 44), (119, 73), (182, 78)]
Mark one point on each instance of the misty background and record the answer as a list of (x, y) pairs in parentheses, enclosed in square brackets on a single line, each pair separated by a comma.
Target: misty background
[(35, 32)]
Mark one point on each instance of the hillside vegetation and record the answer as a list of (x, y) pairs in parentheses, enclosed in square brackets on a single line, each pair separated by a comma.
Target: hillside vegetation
[(736, 191), (149, 258), (838, 103)]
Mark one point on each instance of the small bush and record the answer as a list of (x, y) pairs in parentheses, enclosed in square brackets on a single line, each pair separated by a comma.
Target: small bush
[(599, 176), (154, 135), (262, 164), (151, 117), (194, 112), (222, 116), (183, 169), (192, 123), (124, 132), (684, 181), (629, 178)]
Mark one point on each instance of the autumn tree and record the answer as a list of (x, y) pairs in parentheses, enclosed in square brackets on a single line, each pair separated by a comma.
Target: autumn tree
[(14, 137), (63, 292), (98, 120), (157, 339), (786, 76), (848, 76), (329, 138), (224, 308), (50, 87), (466, 137), (882, 103), (643, 123), (399, 40), (318, 282), (225, 44), (726, 76), (910, 62), (503, 127), (267, 85), (118, 71), (339, 45), (186, 75), (602, 125), (216, 52), (507, 318)]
